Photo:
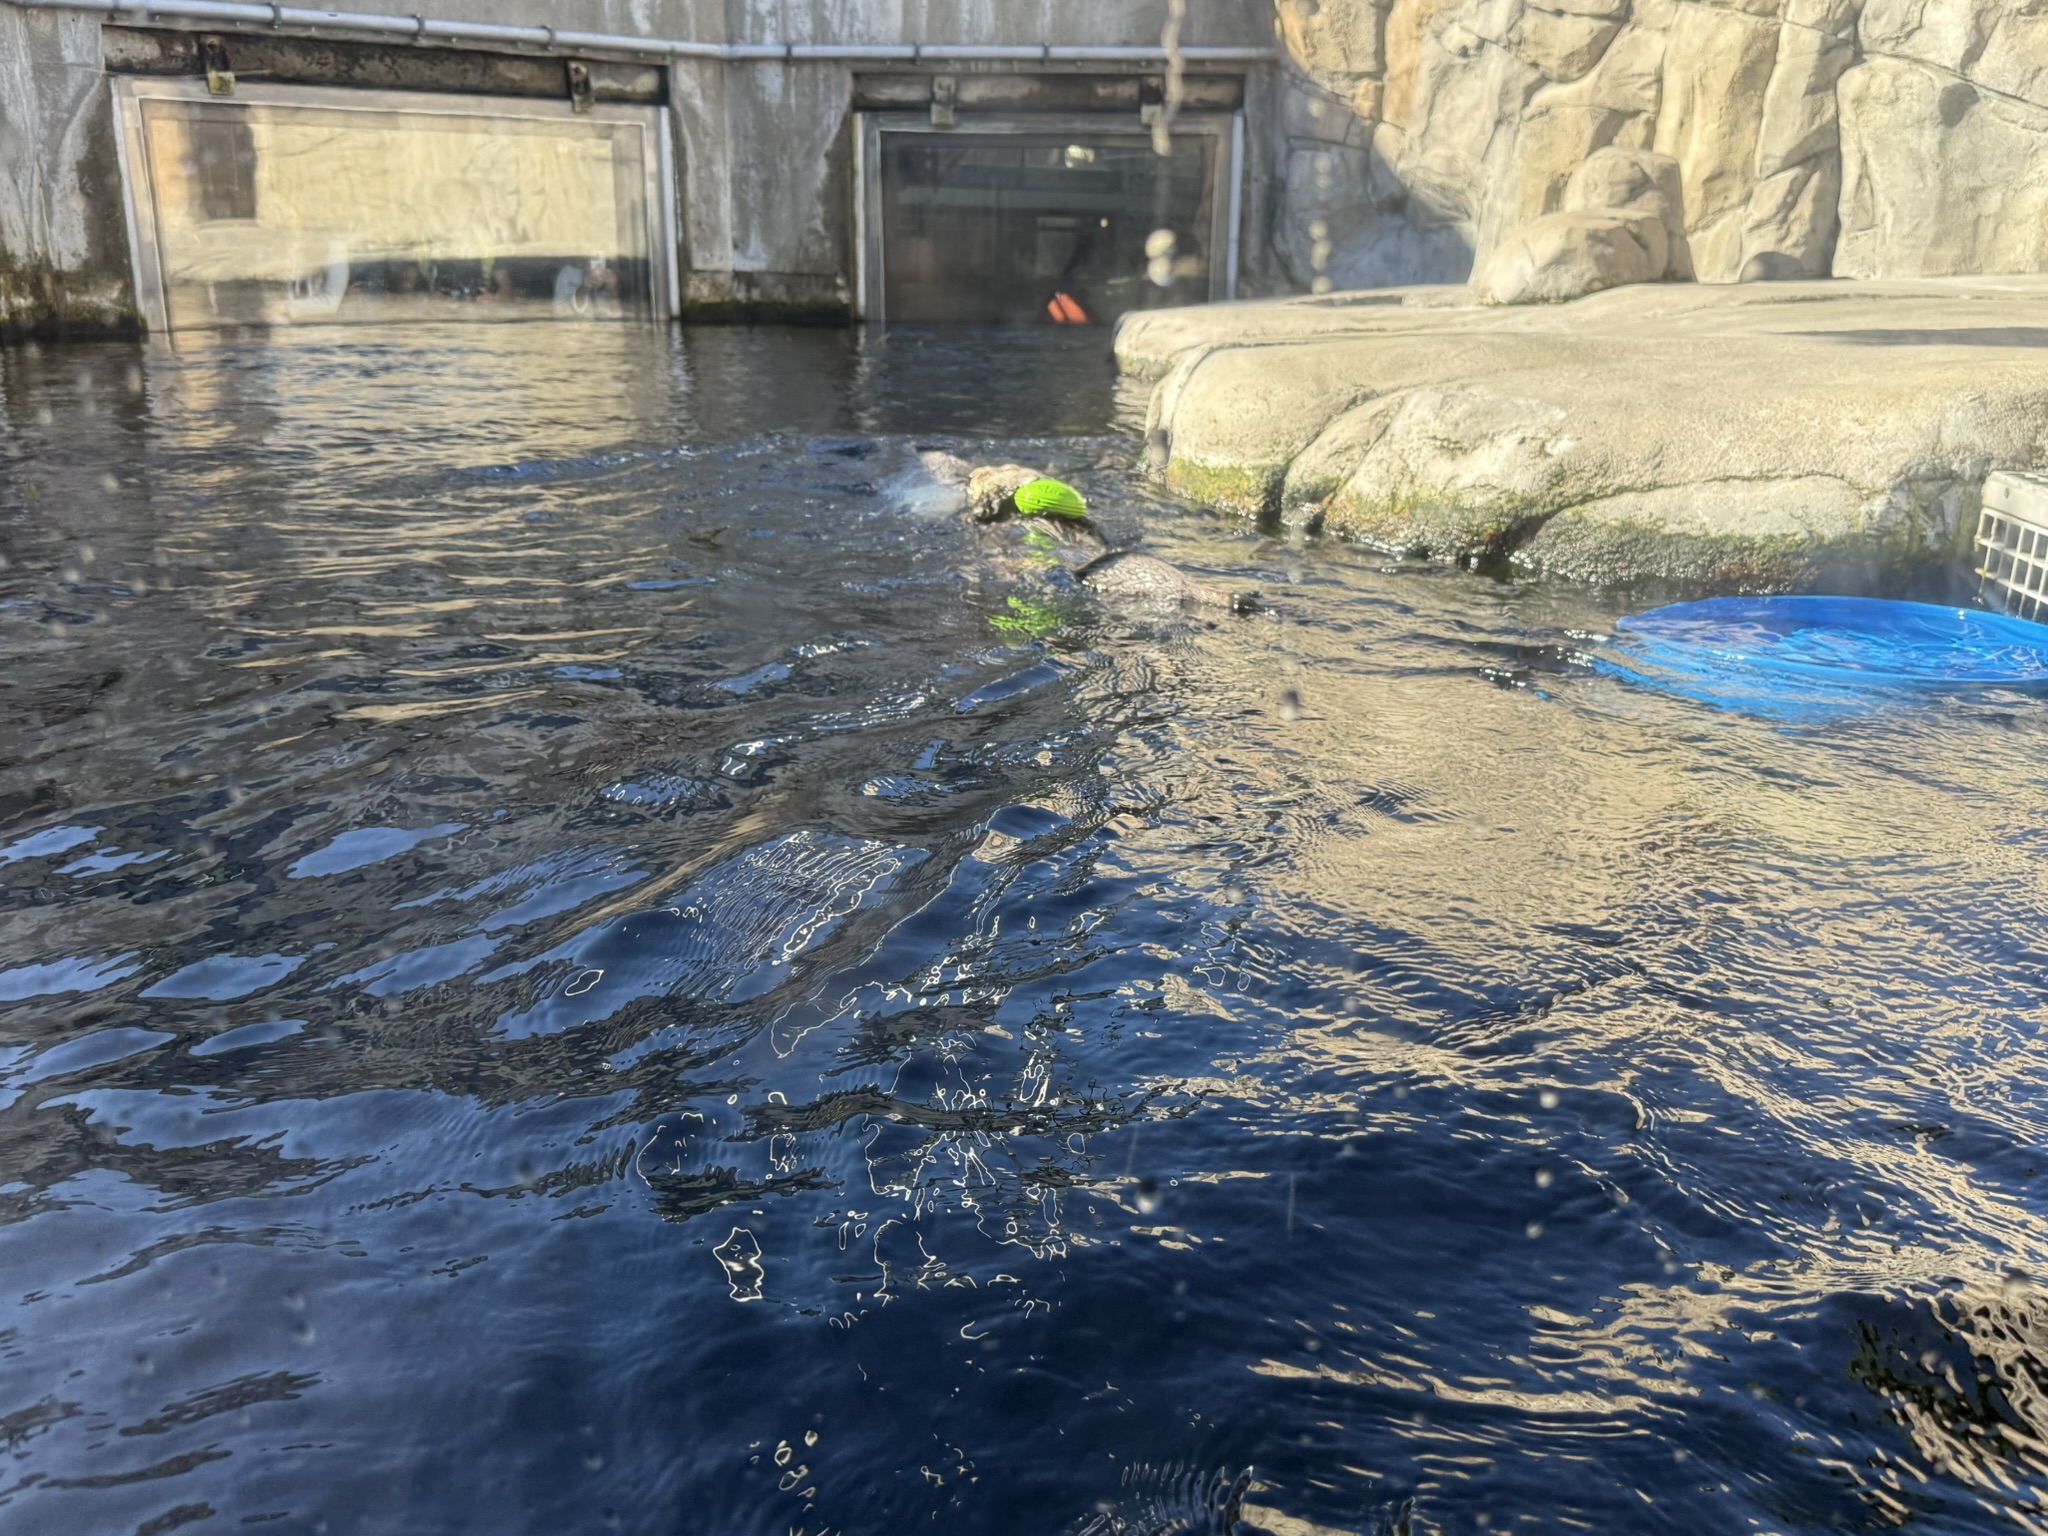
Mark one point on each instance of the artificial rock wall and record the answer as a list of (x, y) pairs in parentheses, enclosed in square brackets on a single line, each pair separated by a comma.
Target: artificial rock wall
[(1852, 138)]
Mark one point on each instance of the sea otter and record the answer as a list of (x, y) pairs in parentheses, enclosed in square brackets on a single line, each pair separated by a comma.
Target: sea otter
[(1025, 542)]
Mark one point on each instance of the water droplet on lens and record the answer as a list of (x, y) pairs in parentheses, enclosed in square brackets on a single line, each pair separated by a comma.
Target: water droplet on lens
[(1545, 1178), (1147, 1196), (1548, 1098), (592, 1460), (1534, 1230), (1290, 706)]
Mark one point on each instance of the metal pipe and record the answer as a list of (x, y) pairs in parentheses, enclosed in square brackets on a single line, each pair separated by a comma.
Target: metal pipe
[(996, 53), (880, 53), (554, 40)]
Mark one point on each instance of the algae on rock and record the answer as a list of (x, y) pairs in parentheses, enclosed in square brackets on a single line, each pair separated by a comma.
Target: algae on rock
[(1755, 438)]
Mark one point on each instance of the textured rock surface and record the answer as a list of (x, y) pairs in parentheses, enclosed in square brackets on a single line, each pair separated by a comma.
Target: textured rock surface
[(1623, 222), (1752, 438), (1866, 138), (1941, 177), (1569, 255)]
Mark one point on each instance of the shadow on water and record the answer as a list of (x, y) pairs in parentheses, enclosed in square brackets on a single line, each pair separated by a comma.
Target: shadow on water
[(558, 972)]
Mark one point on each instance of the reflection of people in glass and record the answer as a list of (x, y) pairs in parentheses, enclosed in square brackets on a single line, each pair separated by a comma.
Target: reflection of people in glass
[(601, 283), (591, 289), (1070, 300), (318, 295), (496, 284)]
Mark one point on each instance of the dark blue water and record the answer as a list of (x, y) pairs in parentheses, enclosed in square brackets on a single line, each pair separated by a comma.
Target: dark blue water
[(558, 973)]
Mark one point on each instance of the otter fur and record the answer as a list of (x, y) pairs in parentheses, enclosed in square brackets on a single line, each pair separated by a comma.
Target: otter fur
[(1075, 544)]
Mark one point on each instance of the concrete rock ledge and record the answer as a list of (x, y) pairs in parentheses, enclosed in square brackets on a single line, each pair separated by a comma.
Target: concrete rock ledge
[(1753, 438)]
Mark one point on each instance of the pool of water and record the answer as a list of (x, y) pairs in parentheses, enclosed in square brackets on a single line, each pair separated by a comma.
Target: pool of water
[(560, 972)]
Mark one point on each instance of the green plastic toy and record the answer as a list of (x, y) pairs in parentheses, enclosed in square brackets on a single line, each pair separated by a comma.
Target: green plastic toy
[(1050, 498)]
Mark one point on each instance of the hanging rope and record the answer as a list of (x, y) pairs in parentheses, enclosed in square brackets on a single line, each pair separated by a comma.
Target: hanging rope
[(1176, 69)]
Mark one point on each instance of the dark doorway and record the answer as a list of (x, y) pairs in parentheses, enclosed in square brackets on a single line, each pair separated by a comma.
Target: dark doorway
[(1043, 228)]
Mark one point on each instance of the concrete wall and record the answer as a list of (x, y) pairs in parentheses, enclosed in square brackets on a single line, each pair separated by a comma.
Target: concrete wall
[(764, 151), (63, 234)]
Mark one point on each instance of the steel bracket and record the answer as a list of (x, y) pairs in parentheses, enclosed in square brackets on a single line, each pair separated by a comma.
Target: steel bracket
[(582, 95), (220, 75)]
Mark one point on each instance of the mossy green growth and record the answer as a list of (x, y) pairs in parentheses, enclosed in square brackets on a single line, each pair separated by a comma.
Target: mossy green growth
[(1050, 498), (1033, 618), (1251, 490)]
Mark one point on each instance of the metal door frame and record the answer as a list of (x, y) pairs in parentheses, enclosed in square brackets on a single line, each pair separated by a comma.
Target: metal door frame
[(145, 247), (1226, 194)]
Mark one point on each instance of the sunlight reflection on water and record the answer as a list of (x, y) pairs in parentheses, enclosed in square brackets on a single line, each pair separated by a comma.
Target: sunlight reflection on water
[(557, 970)]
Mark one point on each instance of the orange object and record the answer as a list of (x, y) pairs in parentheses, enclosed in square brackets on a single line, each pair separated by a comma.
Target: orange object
[(1065, 311)]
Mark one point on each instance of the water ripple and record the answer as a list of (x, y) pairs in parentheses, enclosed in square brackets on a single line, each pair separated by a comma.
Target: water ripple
[(557, 970)]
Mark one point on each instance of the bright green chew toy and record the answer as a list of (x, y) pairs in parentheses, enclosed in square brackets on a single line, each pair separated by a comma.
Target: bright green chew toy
[(1049, 498)]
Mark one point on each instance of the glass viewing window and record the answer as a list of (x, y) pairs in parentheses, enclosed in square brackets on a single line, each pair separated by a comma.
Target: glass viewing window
[(290, 206), (994, 228)]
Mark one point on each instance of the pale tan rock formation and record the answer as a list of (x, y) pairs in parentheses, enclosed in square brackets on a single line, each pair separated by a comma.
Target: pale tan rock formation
[(1623, 222), (1864, 138), (1761, 437)]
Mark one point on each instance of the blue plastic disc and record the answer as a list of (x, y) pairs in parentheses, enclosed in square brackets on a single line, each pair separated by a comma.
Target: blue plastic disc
[(1846, 640)]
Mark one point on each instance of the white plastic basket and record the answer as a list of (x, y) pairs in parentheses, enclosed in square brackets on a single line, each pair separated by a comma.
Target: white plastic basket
[(2012, 545)]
